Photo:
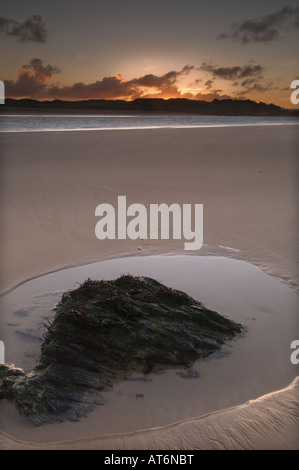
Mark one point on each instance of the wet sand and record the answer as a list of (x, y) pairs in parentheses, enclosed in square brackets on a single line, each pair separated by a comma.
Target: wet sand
[(52, 182), (268, 423)]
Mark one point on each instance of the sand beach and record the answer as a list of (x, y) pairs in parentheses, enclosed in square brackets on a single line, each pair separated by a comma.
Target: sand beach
[(246, 179)]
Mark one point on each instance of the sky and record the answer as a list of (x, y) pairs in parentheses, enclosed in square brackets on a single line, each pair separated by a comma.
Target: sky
[(127, 49)]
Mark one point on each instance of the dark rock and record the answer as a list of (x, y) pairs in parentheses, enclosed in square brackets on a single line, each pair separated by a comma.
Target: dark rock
[(106, 330)]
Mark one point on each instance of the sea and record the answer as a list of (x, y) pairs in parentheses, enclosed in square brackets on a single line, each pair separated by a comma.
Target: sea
[(71, 122)]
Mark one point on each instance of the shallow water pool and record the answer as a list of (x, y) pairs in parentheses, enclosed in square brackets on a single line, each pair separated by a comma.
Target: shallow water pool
[(254, 363)]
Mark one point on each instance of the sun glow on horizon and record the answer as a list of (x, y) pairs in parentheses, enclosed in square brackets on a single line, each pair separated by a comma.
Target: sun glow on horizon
[(190, 90)]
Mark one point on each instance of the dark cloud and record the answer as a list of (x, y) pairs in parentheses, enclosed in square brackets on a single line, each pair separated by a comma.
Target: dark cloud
[(108, 88), (165, 85), (117, 87), (267, 28), (37, 80), (232, 73), (245, 79), (164, 81), (209, 84), (253, 86), (33, 81), (33, 29)]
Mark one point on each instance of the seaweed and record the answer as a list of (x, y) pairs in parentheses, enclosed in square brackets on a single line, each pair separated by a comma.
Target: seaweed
[(105, 331)]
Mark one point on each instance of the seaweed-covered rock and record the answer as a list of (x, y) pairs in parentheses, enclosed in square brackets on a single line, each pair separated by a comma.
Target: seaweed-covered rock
[(102, 332)]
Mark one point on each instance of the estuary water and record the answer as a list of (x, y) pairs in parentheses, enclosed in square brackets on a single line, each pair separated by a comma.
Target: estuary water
[(68, 122)]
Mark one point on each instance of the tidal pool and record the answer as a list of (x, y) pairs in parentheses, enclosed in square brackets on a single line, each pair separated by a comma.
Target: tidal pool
[(254, 363)]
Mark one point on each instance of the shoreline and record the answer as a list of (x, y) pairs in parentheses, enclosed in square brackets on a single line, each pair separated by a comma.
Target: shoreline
[(291, 283), (270, 405), (49, 198), (151, 128)]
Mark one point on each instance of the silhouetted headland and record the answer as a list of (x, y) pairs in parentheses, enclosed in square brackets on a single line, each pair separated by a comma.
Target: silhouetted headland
[(227, 107)]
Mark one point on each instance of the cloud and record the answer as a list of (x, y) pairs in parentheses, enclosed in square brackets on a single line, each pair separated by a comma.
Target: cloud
[(33, 81), (164, 86), (232, 73), (265, 29), (167, 80), (245, 79), (37, 80), (253, 86), (209, 84), (32, 29)]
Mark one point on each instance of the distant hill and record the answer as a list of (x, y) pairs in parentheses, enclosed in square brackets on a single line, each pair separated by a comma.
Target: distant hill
[(227, 107)]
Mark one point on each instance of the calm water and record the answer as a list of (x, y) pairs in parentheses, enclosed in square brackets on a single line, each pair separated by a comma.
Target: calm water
[(254, 363), (26, 123)]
